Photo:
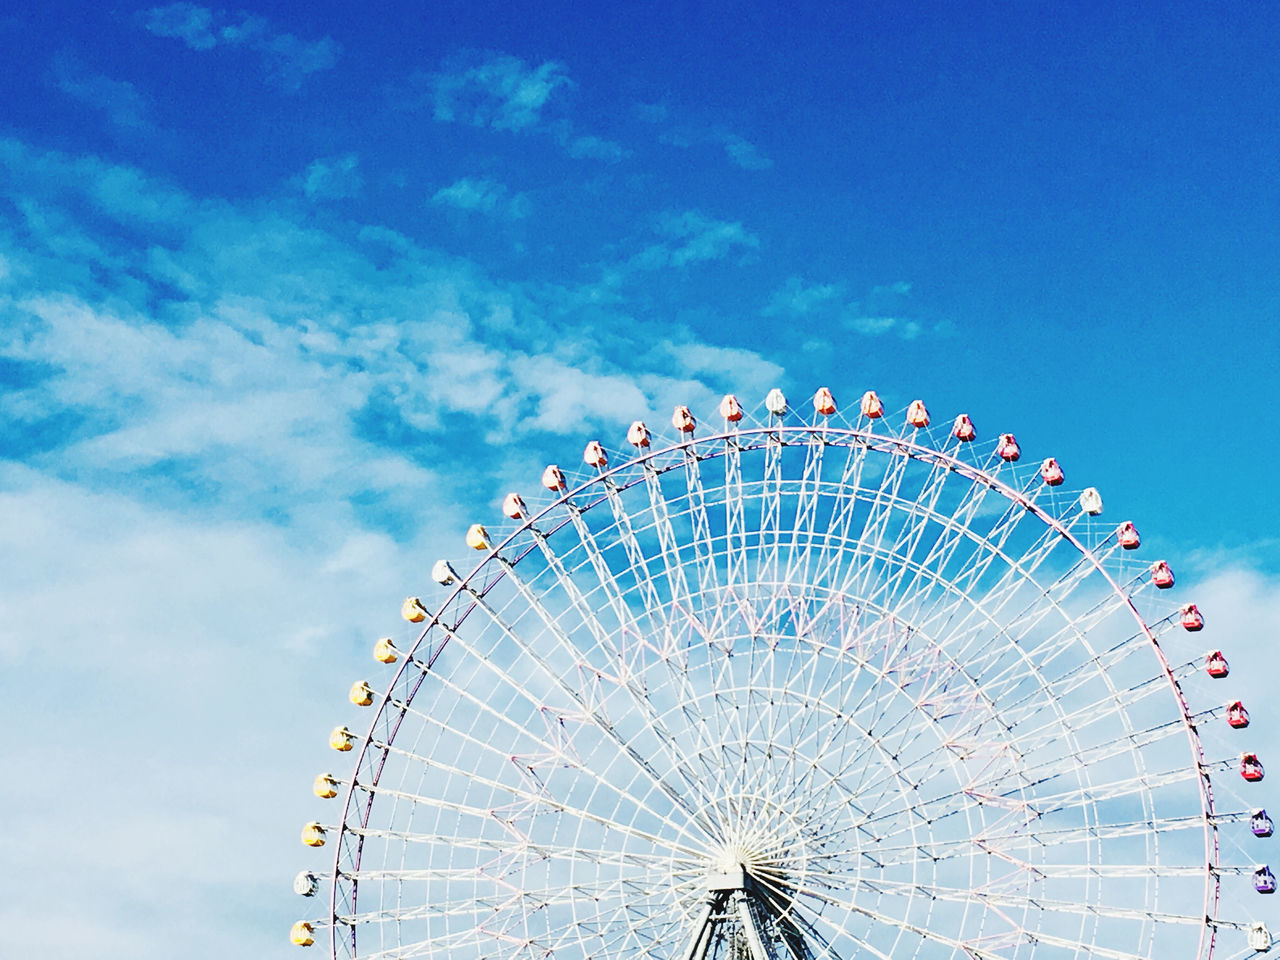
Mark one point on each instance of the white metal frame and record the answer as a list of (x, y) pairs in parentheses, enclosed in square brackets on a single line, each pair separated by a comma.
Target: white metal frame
[(900, 689)]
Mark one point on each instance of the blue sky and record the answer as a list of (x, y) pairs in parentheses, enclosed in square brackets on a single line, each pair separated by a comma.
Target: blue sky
[(290, 294)]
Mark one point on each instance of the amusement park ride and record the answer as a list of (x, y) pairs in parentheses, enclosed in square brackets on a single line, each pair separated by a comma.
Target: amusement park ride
[(800, 685)]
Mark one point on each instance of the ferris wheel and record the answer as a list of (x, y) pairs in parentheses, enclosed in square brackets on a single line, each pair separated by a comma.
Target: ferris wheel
[(807, 684)]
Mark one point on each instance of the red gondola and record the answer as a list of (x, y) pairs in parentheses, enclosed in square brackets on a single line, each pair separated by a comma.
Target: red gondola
[(1215, 664), (1162, 575), (1192, 619), (1251, 767), (1237, 715)]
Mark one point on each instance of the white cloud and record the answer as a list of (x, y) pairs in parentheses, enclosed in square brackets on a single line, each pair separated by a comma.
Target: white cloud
[(280, 355), (874, 326), (502, 92), (288, 58), (734, 364), (562, 392), (185, 656), (482, 195), (333, 178)]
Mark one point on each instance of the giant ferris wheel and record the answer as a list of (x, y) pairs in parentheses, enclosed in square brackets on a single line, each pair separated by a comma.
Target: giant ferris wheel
[(805, 684)]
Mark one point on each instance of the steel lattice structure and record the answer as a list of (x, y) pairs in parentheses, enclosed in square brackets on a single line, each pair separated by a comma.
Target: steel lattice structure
[(800, 687)]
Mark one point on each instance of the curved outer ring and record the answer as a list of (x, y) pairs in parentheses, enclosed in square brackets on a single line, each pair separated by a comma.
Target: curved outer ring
[(764, 434)]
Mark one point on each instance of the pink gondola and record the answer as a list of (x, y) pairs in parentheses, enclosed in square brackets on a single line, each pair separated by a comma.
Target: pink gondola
[(963, 428), (1162, 575), (1007, 449), (1051, 473), (1127, 535)]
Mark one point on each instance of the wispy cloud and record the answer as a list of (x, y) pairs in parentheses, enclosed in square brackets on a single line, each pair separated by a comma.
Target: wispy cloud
[(187, 22), (742, 152), (481, 195), (594, 148), (333, 178), (889, 308), (499, 91), (796, 299), (288, 58), (258, 357), (694, 237), (120, 101)]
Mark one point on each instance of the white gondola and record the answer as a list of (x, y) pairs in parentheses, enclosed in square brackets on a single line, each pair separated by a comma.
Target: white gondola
[(1091, 501), (776, 402), (638, 435), (305, 884), (513, 506), (1259, 937)]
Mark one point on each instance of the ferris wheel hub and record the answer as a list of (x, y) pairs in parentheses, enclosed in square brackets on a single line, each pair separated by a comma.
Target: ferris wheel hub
[(739, 860), (732, 878)]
